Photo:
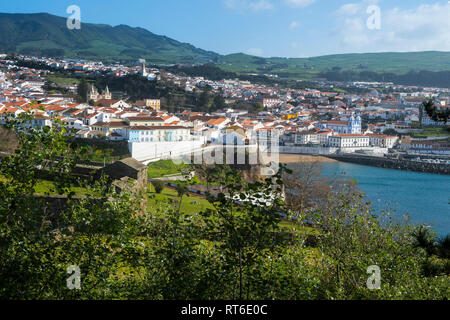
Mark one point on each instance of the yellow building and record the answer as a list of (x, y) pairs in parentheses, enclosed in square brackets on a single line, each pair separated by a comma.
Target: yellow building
[(289, 116), (155, 104)]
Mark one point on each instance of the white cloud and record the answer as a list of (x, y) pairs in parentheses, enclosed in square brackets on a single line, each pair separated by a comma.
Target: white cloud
[(299, 3), (260, 5), (254, 51), (349, 9), (426, 27), (293, 25), (355, 8), (246, 5)]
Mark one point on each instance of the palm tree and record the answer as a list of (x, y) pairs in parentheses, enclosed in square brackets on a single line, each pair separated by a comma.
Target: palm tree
[(434, 114), (443, 247), (425, 239), (181, 190)]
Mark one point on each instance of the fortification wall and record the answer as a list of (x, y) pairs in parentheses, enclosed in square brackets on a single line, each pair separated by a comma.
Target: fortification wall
[(399, 164)]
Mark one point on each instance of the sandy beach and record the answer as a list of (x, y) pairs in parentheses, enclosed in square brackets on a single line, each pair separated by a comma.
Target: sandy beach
[(299, 158)]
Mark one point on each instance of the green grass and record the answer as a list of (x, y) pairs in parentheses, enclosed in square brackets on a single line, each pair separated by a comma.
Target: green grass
[(339, 90), (192, 205), (432, 132), (45, 186), (104, 151), (169, 197), (63, 81), (164, 167), (105, 155), (306, 68), (295, 227)]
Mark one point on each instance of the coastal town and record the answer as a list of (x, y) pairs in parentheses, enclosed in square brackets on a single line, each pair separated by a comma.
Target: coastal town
[(229, 159), (307, 121)]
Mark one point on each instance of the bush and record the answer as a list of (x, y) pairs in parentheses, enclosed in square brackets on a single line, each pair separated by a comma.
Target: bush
[(158, 185)]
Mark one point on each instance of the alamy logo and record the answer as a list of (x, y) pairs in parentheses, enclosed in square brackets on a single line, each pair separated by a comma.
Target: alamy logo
[(374, 20), (74, 21), (374, 281), (74, 281), (235, 148)]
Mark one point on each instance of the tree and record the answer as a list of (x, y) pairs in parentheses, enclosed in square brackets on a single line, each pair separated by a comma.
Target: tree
[(257, 107), (424, 238), (443, 247), (390, 132), (181, 189), (42, 235), (82, 90), (244, 230), (204, 101), (218, 102), (305, 188), (434, 113), (237, 248), (354, 238), (158, 185)]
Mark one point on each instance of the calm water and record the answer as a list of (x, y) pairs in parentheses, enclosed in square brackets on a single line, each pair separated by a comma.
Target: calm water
[(425, 197)]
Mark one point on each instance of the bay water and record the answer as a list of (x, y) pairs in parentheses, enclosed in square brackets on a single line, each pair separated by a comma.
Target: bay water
[(425, 197)]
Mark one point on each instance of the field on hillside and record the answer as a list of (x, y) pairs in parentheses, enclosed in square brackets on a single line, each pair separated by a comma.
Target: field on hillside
[(163, 168), (397, 63), (432, 132)]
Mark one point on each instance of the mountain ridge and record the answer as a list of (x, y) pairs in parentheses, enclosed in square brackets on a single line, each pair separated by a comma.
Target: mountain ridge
[(44, 34), (47, 35)]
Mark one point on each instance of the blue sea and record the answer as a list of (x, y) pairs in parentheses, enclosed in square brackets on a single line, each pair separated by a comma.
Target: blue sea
[(424, 197)]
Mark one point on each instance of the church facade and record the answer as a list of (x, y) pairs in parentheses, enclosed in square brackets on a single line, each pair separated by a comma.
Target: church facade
[(352, 126), (95, 96)]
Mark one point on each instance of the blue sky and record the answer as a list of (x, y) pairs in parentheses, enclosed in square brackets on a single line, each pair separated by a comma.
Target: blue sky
[(286, 28)]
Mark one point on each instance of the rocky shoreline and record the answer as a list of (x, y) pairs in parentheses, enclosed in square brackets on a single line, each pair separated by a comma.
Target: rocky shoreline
[(399, 164)]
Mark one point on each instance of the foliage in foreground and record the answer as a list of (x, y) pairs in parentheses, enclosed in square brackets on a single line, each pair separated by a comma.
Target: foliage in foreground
[(234, 251)]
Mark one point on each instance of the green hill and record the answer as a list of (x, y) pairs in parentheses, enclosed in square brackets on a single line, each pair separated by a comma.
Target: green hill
[(47, 35), (394, 62)]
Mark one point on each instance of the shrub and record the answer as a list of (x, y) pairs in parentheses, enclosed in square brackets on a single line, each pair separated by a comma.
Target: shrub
[(158, 185)]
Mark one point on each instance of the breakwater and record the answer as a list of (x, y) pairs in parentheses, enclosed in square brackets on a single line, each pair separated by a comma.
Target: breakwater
[(399, 164)]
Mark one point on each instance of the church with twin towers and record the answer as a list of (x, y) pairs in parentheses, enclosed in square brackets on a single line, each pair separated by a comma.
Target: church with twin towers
[(352, 126)]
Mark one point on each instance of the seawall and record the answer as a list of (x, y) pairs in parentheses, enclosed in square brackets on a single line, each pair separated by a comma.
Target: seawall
[(399, 164)]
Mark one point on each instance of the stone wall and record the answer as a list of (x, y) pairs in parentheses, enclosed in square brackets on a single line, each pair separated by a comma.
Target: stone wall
[(307, 150), (147, 151), (394, 163)]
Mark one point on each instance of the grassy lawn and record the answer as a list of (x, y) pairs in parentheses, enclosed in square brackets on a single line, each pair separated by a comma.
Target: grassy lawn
[(295, 227), (164, 167), (104, 151), (192, 205), (46, 186), (104, 155), (63, 81), (169, 197), (432, 132)]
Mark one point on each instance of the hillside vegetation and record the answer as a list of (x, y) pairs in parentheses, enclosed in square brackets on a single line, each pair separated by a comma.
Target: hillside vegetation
[(8, 140), (392, 62), (172, 246), (42, 34)]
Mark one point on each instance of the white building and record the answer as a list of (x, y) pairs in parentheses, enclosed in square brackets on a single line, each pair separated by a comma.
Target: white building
[(307, 137), (348, 141), (158, 134), (382, 140), (352, 126)]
